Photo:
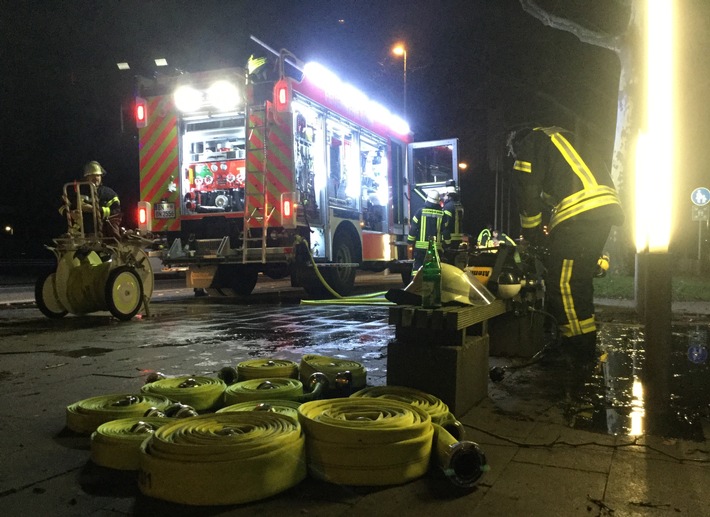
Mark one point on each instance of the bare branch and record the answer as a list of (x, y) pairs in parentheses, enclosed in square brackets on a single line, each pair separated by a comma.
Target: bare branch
[(599, 39)]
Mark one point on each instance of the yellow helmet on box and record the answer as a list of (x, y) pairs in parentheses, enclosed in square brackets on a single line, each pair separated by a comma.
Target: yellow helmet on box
[(456, 286)]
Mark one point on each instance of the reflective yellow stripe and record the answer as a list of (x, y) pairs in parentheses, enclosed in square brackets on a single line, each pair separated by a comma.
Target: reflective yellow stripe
[(530, 221), (574, 160), (586, 326), (582, 201), (567, 301), (522, 166)]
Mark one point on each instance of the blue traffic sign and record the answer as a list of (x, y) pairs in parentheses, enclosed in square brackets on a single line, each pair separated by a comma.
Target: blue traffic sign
[(700, 196)]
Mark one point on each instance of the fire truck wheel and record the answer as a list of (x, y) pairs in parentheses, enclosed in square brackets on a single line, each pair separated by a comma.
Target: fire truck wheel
[(243, 281), (341, 279), (46, 296), (124, 293)]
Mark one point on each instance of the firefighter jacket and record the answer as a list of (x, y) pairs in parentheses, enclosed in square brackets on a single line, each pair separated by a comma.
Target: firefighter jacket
[(484, 237), (453, 215), (426, 223), (551, 175), (108, 202)]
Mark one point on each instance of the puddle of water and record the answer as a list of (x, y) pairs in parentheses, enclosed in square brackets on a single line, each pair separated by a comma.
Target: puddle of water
[(620, 397), (84, 352)]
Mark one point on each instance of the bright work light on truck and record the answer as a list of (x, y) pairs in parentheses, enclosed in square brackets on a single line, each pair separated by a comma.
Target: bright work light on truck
[(223, 95), (187, 99)]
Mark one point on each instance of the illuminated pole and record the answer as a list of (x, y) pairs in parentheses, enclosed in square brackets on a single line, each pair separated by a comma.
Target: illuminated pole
[(401, 50), (654, 168)]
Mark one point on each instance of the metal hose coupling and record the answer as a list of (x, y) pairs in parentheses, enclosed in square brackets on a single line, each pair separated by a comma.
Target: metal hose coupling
[(462, 462), (317, 385)]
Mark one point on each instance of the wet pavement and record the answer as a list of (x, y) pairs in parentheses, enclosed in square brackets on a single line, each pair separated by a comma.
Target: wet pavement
[(558, 442)]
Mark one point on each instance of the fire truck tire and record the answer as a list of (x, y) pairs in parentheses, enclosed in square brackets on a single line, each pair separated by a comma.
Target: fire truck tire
[(46, 296), (124, 293), (342, 279), (244, 281)]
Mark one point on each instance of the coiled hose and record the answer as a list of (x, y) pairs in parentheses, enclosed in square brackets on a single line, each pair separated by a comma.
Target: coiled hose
[(223, 458), (266, 368), (284, 407), (260, 389), (116, 444), (201, 393), (85, 416), (362, 441), (341, 373)]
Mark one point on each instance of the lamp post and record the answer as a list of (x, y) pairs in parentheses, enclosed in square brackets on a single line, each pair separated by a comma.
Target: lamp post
[(401, 50)]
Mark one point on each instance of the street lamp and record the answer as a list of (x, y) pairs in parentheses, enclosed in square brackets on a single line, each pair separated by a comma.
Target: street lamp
[(401, 50)]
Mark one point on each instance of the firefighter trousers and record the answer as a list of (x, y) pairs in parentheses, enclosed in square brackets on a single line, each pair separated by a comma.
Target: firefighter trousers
[(575, 248)]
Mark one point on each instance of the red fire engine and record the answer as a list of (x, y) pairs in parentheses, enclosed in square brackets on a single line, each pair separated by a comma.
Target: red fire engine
[(281, 169)]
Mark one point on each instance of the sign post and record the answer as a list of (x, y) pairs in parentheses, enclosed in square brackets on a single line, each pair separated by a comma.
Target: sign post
[(701, 213)]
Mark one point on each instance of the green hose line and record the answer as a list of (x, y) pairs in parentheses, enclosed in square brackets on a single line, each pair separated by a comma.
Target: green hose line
[(116, 444), (366, 442), (462, 462), (266, 368), (201, 393), (285, 407), (331, 367), (85, 416), (258, 389), (437, 409), (223, 458)]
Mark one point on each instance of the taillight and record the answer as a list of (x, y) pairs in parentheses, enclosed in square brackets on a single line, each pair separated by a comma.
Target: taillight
[(141, 112), (145, 219), (288, 209), (282, 95)]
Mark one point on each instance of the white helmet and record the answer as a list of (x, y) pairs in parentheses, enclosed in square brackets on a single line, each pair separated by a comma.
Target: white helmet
[(433, 197), (456, 286)]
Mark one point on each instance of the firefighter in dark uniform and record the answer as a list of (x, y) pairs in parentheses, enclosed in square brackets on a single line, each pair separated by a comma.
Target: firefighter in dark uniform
[(579, 193), (453, 216), (426, 223)]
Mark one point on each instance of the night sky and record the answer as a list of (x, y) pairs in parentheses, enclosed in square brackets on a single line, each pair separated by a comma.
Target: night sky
[(474, 66)]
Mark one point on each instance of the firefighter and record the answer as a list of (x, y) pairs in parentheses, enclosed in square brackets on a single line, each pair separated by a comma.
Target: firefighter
[(550, 175), (426, 223), (498, 238), (453, 216), (108, 204), (482, 241)]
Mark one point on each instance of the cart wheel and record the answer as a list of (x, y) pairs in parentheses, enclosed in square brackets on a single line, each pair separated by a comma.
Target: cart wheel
[(124, 293), (46, 296)]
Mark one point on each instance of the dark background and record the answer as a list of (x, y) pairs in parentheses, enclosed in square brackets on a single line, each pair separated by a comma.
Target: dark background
[(473, 67)]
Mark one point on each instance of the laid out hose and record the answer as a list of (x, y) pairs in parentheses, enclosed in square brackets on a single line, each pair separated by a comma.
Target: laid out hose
[(266, 368), (284, 407), (366, 442), (437, 409), (85, 416), (223, 458), (462, 462), (201, 393), (116, 444), (259, 389), (331, 367), (362, 299)]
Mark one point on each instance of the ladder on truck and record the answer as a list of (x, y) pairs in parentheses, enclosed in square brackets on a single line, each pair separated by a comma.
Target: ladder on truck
[(257, 212)]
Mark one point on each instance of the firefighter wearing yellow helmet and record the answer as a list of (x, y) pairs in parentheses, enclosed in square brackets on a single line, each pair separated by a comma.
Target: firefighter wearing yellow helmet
[(109, 206)]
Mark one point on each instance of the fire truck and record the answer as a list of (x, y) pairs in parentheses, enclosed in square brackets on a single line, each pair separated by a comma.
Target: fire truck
[(279, 169)]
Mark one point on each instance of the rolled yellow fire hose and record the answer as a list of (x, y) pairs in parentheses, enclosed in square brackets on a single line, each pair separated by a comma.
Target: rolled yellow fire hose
[(201, 393), (116, 444), (331, 367), (259, 389), (223, 458), (284, 407), (366, 442), (85, 416), (266, 368), (437, 409)]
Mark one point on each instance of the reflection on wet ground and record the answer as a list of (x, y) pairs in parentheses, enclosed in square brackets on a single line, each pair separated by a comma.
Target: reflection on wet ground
[(612, 396)]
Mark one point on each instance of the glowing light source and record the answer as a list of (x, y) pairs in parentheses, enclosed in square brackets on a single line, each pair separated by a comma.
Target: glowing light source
[(188, 98), (654, 177), (223, 95)]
